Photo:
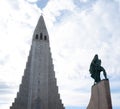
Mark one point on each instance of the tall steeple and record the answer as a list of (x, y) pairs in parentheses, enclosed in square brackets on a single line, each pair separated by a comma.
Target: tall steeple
[(41, 29), (38, 89)]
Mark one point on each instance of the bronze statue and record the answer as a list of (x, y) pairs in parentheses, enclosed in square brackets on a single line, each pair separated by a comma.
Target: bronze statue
[(96, 68)]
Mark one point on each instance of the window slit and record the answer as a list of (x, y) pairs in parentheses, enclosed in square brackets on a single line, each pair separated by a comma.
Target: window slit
[(41, 36)]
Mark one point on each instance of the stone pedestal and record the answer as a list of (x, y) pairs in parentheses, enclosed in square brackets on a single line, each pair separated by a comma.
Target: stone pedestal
[(100, 96)]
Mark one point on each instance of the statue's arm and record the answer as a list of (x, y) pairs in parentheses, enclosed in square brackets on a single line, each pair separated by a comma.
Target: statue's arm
[(104, 73)]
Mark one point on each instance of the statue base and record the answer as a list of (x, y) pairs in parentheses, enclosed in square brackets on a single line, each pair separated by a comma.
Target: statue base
[(100, 96)]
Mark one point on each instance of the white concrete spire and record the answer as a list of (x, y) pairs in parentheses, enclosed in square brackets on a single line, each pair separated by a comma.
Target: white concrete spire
[(39, 89)]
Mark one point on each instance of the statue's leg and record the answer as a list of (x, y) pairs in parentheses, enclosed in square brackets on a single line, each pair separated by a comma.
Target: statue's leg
[(95, 77), (98, 77)]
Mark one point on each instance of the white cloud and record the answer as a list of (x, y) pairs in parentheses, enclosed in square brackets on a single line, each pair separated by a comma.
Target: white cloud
[(32, 1), (54, 9), (82, 34), (75, 39), (84, 0)]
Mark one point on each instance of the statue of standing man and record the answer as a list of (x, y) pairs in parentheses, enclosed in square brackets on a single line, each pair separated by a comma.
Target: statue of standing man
[(96, 68)]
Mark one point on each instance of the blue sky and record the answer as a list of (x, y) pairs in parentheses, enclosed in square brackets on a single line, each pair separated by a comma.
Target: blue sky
[(78, 29)]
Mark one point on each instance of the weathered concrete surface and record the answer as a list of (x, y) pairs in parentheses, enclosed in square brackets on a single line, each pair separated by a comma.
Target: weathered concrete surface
[(100, 96)]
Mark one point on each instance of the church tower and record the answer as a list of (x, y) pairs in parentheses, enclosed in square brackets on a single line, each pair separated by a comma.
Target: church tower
[(38, 89)]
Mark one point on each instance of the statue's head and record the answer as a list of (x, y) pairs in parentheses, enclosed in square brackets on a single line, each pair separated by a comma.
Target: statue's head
[(96, 56)]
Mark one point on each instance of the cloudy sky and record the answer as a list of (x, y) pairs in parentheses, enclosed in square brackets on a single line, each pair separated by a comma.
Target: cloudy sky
[(78, 29)]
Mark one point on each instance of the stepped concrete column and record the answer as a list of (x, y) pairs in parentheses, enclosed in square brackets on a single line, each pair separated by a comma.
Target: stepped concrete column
[(38, 89)]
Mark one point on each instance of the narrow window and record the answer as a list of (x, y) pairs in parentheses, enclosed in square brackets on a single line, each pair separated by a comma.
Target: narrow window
[(36, 37), (41, 36), (45, 37)]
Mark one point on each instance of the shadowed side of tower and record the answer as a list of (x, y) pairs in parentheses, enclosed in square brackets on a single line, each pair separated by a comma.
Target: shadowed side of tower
[(38, 89)]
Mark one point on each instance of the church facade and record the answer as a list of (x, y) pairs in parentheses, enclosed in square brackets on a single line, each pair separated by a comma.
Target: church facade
[(39, 89)]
